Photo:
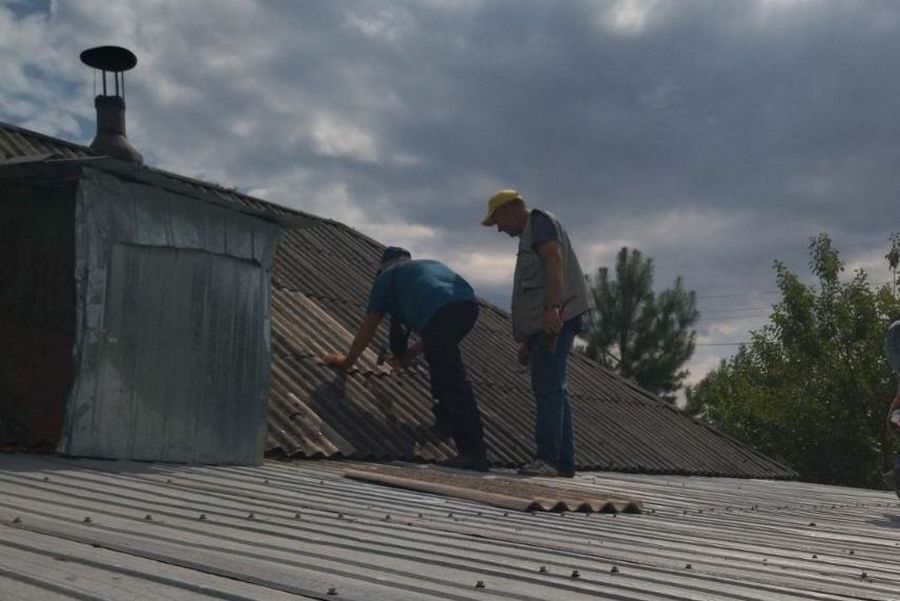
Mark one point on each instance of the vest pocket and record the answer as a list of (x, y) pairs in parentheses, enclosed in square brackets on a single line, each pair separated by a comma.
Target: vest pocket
[(529, 271)]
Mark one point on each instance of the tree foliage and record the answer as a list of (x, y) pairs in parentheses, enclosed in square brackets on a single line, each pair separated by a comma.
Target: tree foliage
[(812, 387), (642, 335)]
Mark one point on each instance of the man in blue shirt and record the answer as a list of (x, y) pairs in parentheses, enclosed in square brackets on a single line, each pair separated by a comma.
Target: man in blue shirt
[(429, 298)]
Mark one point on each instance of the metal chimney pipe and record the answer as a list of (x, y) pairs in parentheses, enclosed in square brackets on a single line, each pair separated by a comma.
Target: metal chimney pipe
[(111, 139)]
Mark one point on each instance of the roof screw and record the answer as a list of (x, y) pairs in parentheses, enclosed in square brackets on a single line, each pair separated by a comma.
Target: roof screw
[(46, 478), (251, 516), (449, 514), (812, 524), (575, 573), (387, 517), (863, 575), (266, 481), (421, 516), (614, 570), (688, 566), (87, 520), (168, 480), (148, 517), (542, 570), (332, 591), (297, 516), (17, 520), (340, 516), (505, 514), (479, 584), (202, 516), (852, 552)]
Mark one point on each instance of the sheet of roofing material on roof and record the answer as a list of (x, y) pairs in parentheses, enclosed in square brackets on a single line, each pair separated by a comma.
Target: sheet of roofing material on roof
[(82, 529), (314, 412), (506, 491)]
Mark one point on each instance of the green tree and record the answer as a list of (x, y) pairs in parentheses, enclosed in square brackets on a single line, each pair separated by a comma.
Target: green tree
[(812, 386), (642, 335)]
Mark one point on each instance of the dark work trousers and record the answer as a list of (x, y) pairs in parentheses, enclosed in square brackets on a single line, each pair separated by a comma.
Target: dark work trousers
[(553, 423), (449, 385)]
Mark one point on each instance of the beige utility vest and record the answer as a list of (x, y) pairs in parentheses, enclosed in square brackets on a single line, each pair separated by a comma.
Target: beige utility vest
[(529, 283)]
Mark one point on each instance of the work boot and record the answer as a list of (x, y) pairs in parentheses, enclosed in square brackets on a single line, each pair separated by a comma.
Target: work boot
[(475, 462), (538, 467)]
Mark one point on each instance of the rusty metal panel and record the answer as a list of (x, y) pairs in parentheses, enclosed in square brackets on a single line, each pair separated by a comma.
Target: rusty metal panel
[(172, 340), (37, 310)]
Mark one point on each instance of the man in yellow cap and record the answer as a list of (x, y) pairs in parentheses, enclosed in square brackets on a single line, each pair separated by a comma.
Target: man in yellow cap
[(548, 300)]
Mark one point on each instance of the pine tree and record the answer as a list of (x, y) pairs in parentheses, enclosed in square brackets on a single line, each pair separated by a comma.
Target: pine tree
[(643, 336)]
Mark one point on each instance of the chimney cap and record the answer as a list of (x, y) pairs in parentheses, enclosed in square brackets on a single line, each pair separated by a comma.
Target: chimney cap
[(109, 58)]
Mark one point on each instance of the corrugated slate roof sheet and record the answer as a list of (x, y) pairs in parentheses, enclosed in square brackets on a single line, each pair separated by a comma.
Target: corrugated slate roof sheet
[(105, 530), (322, 275)]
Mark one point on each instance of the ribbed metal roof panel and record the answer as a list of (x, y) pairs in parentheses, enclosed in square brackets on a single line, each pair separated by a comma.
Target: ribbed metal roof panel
[(321, 279), (18, 143), (79, 529)]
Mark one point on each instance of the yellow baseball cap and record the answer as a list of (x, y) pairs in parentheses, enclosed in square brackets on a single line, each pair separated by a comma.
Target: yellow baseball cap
[(500, 198)]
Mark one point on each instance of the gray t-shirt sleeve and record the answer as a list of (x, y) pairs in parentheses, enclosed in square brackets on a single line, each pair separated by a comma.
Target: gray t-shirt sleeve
[(542, 229)]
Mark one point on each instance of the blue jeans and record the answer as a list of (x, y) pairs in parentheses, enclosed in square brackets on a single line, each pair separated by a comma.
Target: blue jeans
[(553, 424)]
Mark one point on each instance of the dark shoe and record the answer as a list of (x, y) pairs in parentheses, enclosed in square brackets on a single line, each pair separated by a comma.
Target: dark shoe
[(570, 473), (538, 467), (475, 463)]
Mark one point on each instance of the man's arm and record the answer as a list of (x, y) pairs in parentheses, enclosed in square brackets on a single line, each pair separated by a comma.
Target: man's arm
[(894, 406), (364, 336), (551, 256)]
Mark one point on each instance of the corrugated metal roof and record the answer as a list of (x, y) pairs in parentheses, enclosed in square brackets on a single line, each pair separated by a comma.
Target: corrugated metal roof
[(79, 529), (321, 278), (16, 142)]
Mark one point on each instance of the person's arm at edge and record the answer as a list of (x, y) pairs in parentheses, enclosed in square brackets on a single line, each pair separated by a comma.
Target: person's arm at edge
[(894, 406), (363, 337)]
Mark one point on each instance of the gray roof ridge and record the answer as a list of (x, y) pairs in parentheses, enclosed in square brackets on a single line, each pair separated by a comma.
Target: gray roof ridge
[(195, 181)]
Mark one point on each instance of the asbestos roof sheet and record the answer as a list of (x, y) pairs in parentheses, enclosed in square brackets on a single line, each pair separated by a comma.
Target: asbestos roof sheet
[(102, 530), (321, 279)]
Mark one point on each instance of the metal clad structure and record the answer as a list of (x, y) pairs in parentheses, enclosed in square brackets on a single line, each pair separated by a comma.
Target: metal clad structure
[(80, 529), (172, 349), (321, 276)]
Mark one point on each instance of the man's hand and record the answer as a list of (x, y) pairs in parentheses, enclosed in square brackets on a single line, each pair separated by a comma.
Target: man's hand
[(524, 355), (336, 360), (552, 321)]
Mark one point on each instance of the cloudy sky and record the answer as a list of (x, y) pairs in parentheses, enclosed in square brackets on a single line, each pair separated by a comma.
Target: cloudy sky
[(714, 136)]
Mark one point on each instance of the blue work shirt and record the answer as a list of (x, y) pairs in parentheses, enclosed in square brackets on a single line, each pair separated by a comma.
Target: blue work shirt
[(413, 291)]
